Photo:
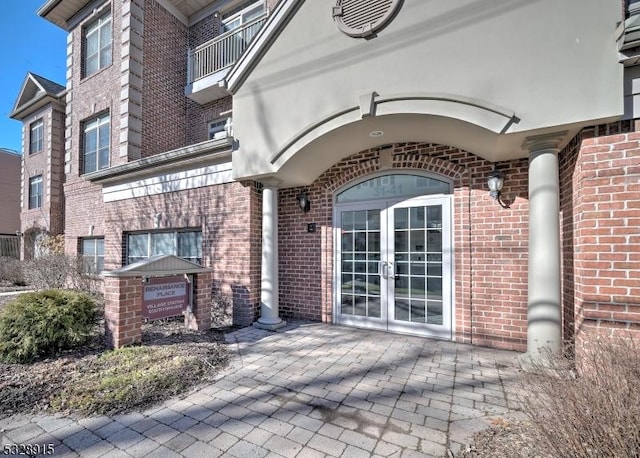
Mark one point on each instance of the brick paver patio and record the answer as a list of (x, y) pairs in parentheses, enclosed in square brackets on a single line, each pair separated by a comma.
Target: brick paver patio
[(308, 390)]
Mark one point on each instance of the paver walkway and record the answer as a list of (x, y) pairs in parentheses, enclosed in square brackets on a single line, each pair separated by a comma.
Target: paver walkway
[(308, 390)]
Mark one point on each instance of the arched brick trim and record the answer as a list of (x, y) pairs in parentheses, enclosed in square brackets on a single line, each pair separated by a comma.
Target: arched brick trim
[(369, 161)]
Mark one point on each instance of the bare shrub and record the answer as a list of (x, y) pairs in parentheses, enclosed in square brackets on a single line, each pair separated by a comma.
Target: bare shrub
[(53, 244), (56, 270), (592, 412), (221, 308), (49, 271), (11, 271), (81, 278)]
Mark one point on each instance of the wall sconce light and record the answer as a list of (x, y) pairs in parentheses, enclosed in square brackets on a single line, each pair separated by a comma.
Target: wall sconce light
[(495, 181), (304, 202)]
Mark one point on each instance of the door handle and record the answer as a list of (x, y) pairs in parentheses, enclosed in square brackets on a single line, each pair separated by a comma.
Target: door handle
[(391, 273), (382, 269), (386, 270)]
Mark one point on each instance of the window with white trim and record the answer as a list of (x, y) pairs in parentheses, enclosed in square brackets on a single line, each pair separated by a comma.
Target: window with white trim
[(186, 244), (92, 251), (36, 136), (97, 45), (243, 15), (35, 192), (219, 128), (95, 145)]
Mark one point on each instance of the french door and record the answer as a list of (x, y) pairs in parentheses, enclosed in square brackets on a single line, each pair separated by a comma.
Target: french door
[(393, 267)]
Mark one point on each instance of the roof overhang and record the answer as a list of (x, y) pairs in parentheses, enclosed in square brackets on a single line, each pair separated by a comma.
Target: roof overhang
[(36, 104), (208, 152), (60, 12), (158, 266), (63, 12)]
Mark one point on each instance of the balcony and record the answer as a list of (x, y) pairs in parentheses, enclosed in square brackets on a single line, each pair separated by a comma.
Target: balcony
[(209, 63)]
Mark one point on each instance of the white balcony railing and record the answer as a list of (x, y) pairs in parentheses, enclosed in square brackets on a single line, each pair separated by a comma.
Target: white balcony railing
[(221, 52)]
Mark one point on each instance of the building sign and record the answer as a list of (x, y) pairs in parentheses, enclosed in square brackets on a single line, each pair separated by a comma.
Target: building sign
[(164, 297)]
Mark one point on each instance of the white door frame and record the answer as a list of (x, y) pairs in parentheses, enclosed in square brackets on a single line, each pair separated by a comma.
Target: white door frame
[(387, 247)]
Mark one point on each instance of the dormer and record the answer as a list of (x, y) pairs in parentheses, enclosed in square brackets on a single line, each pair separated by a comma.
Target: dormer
[(37, 92)]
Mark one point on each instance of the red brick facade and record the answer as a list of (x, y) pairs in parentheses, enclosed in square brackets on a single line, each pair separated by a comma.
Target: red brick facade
[(601, 236), (49, 163), (165, 73), (87, 97), (229, 216)]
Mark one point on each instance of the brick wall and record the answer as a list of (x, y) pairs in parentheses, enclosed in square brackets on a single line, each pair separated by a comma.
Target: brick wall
[(567, 160), (123, 310), (164, 80), (49, 164), (606, 231), (490, 279), (204, 30), (228, 216), (86, 97), (199, 116)]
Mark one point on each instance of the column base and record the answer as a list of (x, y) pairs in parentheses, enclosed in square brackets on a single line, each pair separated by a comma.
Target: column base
[(269, 326), (538, 363)]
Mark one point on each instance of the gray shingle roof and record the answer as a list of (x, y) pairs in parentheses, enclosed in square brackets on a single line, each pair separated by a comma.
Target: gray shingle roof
[(49, 86)]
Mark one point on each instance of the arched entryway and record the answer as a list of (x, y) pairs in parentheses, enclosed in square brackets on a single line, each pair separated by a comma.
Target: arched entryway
[(393, 254)]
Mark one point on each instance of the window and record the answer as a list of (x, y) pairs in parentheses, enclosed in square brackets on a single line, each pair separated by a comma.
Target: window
[(96, 144), (35, 192), (92, 251), (220, 128), (36, 136), (186, 244), (97, 45), (243, 15)]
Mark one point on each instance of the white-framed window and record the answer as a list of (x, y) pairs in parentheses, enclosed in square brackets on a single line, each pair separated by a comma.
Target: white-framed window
[(219, 128), (186, 244), (95, 145), (35, 192), (97, 45), (243, 15), (36, 136), (92, 251)]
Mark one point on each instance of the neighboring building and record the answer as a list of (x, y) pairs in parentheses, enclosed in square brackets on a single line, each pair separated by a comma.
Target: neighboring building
[(9, 192), (329, 160), (9, 202), (40, 107)]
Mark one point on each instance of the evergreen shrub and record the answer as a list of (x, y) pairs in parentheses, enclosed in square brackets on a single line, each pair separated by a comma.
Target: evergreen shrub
[(44, 323)]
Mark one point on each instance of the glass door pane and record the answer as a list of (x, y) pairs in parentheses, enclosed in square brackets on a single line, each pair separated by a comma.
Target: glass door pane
[(359, 262), (419, 297), (410, 264)]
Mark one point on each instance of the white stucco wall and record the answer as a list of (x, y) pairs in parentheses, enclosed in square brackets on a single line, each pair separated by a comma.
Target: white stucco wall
[(551, 63)]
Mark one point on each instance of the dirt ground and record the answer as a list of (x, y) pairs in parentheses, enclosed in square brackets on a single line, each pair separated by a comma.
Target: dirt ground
[(29, 388)]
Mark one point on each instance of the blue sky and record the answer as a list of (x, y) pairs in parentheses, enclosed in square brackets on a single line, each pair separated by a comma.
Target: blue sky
[(27, 43)]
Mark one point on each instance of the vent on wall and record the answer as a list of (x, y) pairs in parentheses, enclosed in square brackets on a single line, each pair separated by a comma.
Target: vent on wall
[(363, 18)]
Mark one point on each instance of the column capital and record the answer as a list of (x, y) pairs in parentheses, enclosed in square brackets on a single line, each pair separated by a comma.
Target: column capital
[(550, 141), (270, 182)]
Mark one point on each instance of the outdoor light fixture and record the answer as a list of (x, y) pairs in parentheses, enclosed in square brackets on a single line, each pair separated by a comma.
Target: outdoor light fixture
[(495, 181), (304, 202)]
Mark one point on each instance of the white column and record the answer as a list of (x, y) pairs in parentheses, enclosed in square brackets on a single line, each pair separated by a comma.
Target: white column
[(544, 303), (269, 318)]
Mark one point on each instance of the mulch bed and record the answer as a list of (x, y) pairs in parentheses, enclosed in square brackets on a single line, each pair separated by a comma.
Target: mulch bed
[(29, 388)]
